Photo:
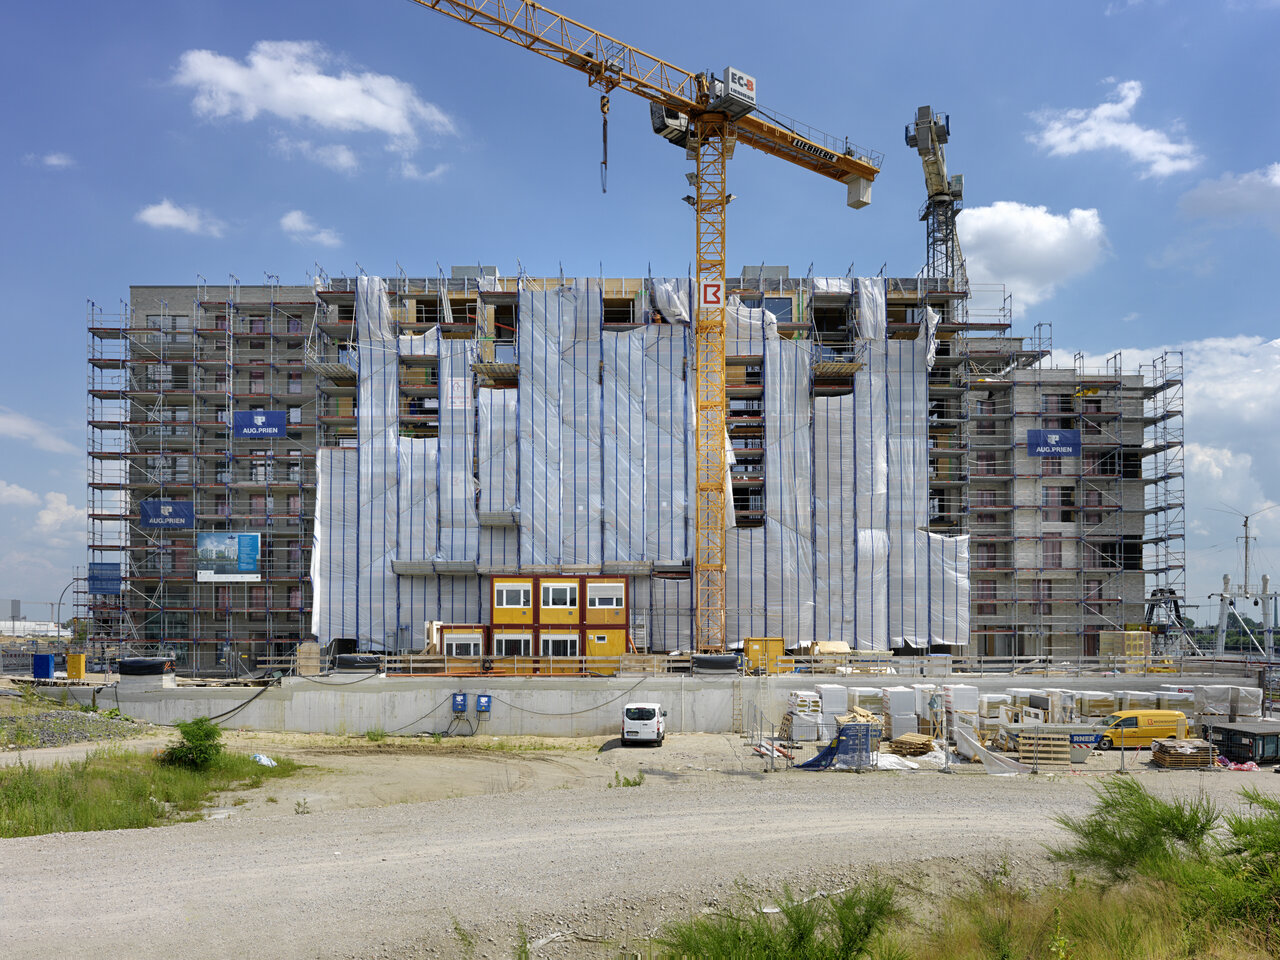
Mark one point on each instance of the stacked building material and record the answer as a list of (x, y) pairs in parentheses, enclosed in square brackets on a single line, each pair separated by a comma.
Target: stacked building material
[(835, 702), (869, 698), (1182, 754), (961, 701), (898, 725), (1095, 703), (1213, 701), (1246, 703), (1138, 699), (1170, 700), (911, 745), (1022, 695), (1062, 705), (898, 705)]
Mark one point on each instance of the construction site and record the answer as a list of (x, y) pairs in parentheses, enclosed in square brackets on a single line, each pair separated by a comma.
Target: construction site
[(437, 440), (531, 474)]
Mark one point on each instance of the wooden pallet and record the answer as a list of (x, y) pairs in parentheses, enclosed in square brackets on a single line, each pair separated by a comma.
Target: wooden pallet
[(858, 715), (1164, 753), (911, 745), (1041, 749)]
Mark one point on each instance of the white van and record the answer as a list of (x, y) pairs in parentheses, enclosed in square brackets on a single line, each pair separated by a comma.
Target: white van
[(643, 723)]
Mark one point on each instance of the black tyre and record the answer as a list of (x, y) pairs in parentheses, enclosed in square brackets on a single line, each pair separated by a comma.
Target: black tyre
[(1104, 743)]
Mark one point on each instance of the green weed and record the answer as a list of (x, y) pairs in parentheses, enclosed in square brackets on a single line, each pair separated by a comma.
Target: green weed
[(114, 789), (620, 781), (851, 925), (200, 745)]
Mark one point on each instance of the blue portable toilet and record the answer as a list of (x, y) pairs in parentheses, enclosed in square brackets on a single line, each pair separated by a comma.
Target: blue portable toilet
[(42, 666)]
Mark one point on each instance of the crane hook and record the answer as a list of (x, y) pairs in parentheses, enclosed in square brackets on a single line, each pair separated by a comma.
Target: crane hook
[(604, 132)]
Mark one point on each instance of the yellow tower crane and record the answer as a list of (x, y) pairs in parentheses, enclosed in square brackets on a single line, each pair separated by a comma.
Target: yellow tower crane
[(708, 115)]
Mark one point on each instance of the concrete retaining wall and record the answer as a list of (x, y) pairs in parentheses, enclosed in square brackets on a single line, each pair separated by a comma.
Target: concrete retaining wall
[(357, 703)]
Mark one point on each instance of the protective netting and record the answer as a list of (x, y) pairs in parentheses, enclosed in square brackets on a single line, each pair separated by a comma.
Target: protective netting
[(588, 466)]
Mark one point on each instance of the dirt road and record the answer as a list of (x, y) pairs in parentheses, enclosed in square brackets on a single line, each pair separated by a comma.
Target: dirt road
[(409, 855)]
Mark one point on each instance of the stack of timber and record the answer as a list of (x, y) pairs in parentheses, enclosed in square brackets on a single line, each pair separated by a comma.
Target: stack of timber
[(857, 715), (1043, 749), (911, 745), (1183, 754)]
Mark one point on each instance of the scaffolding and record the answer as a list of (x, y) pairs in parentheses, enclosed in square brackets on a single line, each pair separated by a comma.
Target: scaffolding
[(165, 388), (1067, 547)]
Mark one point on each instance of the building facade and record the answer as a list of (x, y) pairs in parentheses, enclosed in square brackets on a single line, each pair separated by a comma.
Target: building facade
[(218, 404)]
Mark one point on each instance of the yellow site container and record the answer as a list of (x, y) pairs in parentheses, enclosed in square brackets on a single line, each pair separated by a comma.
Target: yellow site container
[(75, 666), (762, 653)]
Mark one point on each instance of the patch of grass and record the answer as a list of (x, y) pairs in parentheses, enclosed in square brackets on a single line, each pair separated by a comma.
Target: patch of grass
[(301, 807), (113, 789), (273, 799), (852, 925), (376, 735), (620, 781), (466, 941)]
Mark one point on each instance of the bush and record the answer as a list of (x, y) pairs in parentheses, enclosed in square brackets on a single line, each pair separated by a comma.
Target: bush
[(200, 744), (851, 925)]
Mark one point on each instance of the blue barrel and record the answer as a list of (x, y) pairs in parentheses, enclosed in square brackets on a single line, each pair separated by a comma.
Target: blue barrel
[(42, 666)]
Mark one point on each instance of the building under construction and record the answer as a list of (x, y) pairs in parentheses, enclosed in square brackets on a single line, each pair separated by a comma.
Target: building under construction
[(361, 458)]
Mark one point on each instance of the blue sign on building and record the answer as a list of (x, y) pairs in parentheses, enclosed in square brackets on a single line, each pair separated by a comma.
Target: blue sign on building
[(1053, 443), (259, 424), (104, 578), (167, 513)]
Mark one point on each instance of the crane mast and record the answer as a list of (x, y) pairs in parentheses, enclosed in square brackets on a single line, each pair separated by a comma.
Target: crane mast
[(927, 135), (707, 115)]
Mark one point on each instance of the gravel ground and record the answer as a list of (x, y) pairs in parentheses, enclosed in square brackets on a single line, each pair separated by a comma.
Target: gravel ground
[(58, 728), (549, 847)]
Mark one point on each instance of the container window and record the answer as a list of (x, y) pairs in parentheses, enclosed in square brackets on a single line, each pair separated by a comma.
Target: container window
[(564, 595)]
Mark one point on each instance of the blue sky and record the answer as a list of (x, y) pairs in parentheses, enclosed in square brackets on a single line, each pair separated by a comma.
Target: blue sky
[(1121, 164)]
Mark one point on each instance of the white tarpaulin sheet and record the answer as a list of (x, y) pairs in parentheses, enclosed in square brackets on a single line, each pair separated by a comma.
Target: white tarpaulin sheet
[(590, 462)]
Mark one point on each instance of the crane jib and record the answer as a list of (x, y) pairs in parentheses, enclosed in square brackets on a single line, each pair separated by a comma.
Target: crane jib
[(817, 151)]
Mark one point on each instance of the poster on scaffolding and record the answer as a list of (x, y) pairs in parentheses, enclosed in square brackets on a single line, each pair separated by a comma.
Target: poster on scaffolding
[(227, 557), (459, 392), (1053, 443), (180, 514), (261, 424), (104, 579)]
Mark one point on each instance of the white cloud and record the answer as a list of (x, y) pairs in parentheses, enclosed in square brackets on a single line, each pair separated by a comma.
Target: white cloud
[(1108, 126), (58, 512), (40, 435), (335, 156), (300, 229), (410, 171), (168, 215), (287, 79), (11, 493), (57, 161), (1028, 248), (1237, 197)]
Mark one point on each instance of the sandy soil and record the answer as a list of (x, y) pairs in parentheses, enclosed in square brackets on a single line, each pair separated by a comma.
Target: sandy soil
[(416, 849)]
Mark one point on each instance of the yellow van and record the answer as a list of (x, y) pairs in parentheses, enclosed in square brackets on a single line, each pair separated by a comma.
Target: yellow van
[(1137, 728)]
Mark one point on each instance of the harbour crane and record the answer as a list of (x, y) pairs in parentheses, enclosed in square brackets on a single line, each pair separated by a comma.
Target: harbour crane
[(708, 115)]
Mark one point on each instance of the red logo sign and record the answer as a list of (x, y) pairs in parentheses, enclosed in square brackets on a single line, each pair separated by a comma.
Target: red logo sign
[(712, 293)]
